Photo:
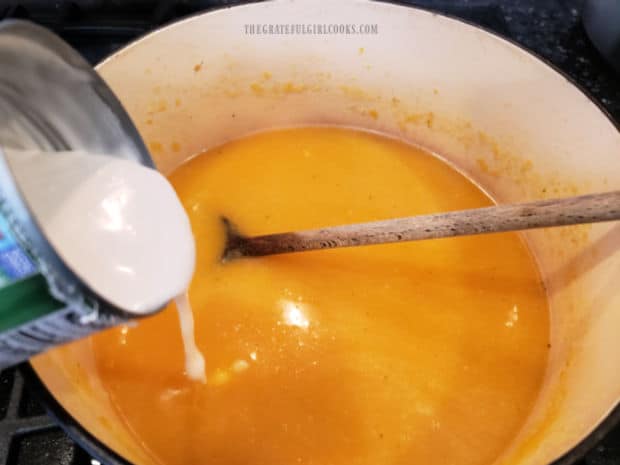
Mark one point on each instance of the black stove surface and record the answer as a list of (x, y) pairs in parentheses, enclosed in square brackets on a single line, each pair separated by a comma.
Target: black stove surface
[(97, 28)]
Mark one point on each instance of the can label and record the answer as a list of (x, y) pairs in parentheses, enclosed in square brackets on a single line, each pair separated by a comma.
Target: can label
[(15, 264), (31, 319), (62, 325)]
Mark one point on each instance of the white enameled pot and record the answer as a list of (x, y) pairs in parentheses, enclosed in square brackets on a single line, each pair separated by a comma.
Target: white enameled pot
[(507, 119)]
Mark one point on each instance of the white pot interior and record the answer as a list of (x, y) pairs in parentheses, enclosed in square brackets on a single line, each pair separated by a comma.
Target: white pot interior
[(508, 121)]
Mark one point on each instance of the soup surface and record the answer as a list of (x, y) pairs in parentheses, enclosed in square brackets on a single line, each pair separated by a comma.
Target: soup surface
[(427, 352)]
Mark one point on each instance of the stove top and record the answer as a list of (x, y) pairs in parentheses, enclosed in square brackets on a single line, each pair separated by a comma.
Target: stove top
[(550, 28)]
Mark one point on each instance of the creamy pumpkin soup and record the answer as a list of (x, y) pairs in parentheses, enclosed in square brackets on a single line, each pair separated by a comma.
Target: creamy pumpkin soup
[(416, 353)]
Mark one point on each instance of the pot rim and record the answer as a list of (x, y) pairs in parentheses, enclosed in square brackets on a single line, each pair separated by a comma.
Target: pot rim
[(108, 456)]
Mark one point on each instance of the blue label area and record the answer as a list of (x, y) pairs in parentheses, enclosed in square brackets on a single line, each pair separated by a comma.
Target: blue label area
[(6, 239), (15, 264)]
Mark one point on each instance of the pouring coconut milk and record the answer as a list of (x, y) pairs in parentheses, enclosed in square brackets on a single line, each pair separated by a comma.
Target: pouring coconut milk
[(119, 225), (91, 235)]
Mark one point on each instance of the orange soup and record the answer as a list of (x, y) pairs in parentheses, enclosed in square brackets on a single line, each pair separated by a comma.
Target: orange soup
[(419, 353)]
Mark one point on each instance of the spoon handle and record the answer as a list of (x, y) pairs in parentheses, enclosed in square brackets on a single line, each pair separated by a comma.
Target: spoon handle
[(591, 208)]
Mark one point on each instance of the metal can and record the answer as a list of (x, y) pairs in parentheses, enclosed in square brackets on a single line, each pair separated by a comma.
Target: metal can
[(50, 100)]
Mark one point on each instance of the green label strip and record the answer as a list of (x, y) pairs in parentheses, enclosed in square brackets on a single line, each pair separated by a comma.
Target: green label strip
[(24, 301)]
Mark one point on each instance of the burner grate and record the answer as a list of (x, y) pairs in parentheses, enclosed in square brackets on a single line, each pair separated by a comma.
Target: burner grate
[(28, 436)]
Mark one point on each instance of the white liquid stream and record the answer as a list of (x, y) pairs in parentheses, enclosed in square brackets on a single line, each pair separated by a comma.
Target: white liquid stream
[(120, 227), (194, 361)]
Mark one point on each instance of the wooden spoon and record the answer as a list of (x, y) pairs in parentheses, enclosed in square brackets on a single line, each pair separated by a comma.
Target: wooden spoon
[(515, 217)]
